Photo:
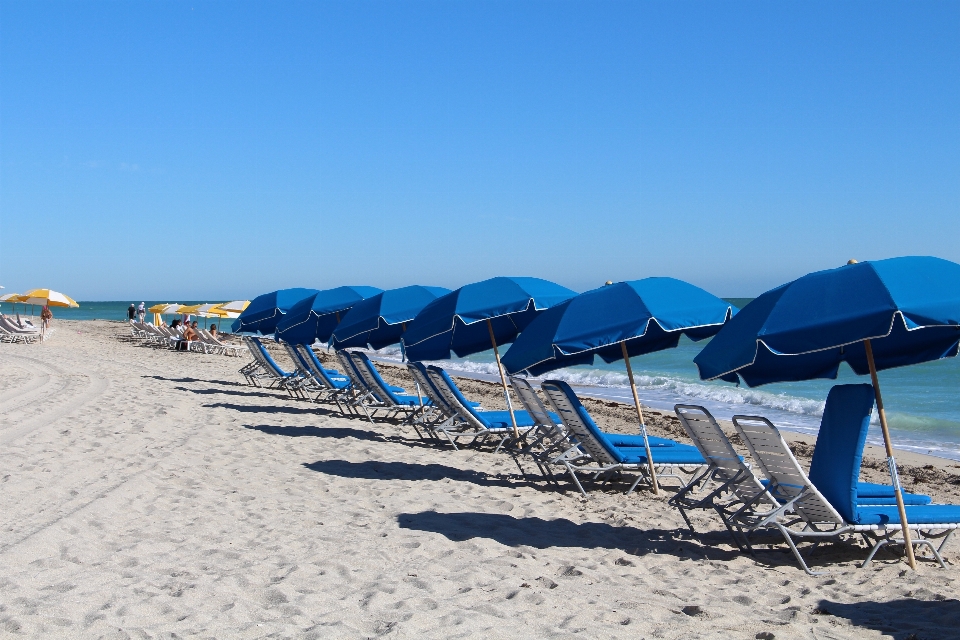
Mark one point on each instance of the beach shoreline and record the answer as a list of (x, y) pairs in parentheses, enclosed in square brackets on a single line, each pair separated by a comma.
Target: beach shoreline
[(149, 492)]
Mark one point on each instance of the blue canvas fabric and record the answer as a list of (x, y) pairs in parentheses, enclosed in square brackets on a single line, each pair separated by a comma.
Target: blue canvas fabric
[(315, 317), (847, 409), (378, 321), (647, 315), (835, 469), (266, 310), (490, 419), (457, 321), (926, 514), (908, 307)]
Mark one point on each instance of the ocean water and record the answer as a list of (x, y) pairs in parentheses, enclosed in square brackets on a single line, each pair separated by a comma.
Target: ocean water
[(116, 310), (922, 401)]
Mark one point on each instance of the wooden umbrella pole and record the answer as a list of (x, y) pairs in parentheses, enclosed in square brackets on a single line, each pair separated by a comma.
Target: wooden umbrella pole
[(643, 426), (891, 463), (503, 381)]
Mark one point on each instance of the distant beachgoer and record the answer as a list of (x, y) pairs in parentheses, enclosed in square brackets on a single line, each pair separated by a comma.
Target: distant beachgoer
[(132, 312), (190, 332), (142, 311), (213, 330), (45, 317), (175, 323)]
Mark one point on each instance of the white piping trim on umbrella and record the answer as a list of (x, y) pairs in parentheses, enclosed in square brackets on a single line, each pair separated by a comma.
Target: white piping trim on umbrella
[(645, 329), (893, 319), (453, 321)]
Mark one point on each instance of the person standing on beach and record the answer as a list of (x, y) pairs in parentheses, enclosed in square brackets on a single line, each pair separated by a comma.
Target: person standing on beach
[(45, 317), (132, 312), (142, 312)]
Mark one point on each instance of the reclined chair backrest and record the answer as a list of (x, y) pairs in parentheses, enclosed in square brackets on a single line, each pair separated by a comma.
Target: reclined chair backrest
[(786, 476), (419, 372), (350, 369), (373, 379), (531, 402), (268, 361), (452, 396), (303, 367), (716, 449), (835, 468), (316, 368), (575, 418)]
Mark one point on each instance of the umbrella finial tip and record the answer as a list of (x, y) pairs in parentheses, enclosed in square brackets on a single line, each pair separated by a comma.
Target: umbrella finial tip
[(852, 261), (608, 283)]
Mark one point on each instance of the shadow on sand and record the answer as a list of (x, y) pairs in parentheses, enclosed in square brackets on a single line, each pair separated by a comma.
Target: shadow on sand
[(906, 618), (540, 533), (307, 431), (378, 470)]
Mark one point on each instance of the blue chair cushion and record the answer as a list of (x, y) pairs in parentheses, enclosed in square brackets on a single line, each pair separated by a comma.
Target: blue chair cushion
[(622, 440), (501, 419), (870, 493), (835, 469), (412, 401), (679, 454), (926, 514)]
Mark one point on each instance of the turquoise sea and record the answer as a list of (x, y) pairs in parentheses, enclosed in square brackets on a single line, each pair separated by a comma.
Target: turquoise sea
[(922, 401)]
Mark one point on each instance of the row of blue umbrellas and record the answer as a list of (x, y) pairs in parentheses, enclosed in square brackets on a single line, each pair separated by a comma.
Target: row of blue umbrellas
[(872, 315)]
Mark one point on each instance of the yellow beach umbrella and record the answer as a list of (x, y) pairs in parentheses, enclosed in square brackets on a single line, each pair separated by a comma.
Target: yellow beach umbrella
[(162, 307), (189, 309), (219, 311), (48, 297), (237, 306)]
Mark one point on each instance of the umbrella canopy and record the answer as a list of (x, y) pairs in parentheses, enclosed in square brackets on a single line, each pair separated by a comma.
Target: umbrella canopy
[(217, 310), (315, 317), (237, 306), (458, 321), (48, 297), (266, 310), (189, 309), (12, 298), (164, 308), (208, 310), (909, 309), (644, 315), (871, 315), (380, 320)]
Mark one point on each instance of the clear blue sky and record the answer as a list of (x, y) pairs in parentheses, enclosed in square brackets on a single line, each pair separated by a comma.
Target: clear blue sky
[(208, 150)]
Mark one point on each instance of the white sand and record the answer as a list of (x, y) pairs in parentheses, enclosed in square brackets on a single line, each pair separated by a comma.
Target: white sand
[(146, 493)]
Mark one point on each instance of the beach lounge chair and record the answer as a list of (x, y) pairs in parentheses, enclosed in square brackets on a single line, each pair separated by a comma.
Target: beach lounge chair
[(439, 415), (16, 333), (225, 348), (830, 509), (614, 453), (335, 384), (735, 493), (394, 402), (549, 444), (481, 425), (362, 394), (269, 369)]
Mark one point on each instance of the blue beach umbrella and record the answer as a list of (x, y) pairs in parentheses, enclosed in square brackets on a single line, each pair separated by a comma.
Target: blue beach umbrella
[(265, 311), (617, 322), (479, 316), (315, 317), (380, 320), (872, 315)]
